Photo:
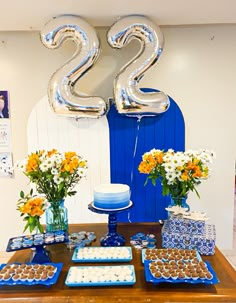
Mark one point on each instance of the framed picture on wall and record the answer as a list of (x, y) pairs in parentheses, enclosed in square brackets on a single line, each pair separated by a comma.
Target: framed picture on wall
[(4, 104), (6, 165)]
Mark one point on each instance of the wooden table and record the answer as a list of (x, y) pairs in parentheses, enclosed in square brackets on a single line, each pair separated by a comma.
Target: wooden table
[(141, 291)]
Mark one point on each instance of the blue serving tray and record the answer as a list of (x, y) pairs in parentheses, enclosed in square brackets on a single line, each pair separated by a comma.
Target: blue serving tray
[(47, 282), (149, 277), (144, 251), (75, 258), (9, 249), (78, 282)]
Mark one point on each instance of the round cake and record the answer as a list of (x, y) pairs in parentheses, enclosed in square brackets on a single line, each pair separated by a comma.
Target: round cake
[(111, 196)]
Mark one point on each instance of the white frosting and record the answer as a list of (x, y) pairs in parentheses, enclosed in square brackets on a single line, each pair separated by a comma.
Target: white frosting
[(111, 188)]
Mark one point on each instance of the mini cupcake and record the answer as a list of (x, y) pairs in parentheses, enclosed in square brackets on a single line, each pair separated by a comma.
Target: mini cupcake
[(181, 275), (174, 266), (188, 274), (51, 268), (195, 276), (19, 271), (50, 274), (209, 276), (35, 266), (202, 264), (49, 238), (22, 265), (181, 266), (41, 267), (6, 277), (195, 261), (3, 271), (16, 277), (27, 243), (59, 236), (157, 275), (174, 275), (30, 277), (44, 276), (202, 275), (23, 277), (37, 277), (38, 241), (166, 275)]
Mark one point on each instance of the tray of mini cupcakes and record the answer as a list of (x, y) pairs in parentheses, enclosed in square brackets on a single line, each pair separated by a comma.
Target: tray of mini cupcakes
[(35, 240), (29, 273), (177, 266)]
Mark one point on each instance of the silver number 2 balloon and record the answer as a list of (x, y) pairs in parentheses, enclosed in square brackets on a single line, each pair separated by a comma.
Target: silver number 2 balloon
[(128, 98), (62, 96)]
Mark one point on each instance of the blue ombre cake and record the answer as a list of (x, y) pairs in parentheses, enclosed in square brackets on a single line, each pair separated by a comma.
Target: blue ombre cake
[(111, 196)]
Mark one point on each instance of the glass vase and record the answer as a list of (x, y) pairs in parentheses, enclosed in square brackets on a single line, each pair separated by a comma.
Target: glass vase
[(57, 217), (179, 201)]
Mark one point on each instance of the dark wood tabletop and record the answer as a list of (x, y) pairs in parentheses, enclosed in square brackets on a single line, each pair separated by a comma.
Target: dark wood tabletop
[(141, 291)]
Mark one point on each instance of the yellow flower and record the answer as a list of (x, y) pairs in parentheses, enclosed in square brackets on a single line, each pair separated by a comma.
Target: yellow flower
[(31, 208), (32, 164), (55, 174), (178, 172)]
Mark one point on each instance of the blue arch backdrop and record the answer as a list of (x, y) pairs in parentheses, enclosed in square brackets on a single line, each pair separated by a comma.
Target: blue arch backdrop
[(129, 140)]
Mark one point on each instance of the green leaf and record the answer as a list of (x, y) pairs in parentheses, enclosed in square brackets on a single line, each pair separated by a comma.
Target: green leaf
[(26, 226), (40, 227), (22, 194)]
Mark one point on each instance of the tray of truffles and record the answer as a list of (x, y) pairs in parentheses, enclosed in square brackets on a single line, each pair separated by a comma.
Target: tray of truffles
[(102, 254), (171, 254), (100, 275), (29, 273), (179, 272), (30, 241)]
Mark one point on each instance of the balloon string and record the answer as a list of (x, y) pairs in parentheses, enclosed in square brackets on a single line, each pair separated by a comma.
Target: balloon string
[(139, 117), (135, 148)]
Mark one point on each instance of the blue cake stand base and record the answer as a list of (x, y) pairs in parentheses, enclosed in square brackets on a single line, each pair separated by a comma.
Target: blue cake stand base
[(112, 238), (40, 255)]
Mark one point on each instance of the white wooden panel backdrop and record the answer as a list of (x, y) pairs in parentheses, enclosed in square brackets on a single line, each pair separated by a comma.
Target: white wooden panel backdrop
[(88, 137)]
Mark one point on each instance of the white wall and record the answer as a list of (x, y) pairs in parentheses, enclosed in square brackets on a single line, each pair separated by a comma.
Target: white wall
[(197, 69)]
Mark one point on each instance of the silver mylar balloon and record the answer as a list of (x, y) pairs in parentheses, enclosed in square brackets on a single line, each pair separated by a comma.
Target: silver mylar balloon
[(62, 96), (128, 98)]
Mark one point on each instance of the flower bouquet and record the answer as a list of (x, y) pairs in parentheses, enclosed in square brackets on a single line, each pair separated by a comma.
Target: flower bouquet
[(178, 172), (55, 175), (31, 208)]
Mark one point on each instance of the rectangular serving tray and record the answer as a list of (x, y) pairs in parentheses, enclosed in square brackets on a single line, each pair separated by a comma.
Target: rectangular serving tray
[(149, 277), (10, 241), (47, 282), (102, 258), (78, 282)]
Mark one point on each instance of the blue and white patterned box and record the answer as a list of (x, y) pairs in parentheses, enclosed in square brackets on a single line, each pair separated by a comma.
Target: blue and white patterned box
[(179, 224), (204, 244)]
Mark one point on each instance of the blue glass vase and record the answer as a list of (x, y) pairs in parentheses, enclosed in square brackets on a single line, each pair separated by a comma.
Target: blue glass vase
[(57, 217), (179, 201)]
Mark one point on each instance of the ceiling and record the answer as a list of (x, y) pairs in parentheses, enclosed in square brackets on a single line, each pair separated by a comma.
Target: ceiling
[(26, 15)]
